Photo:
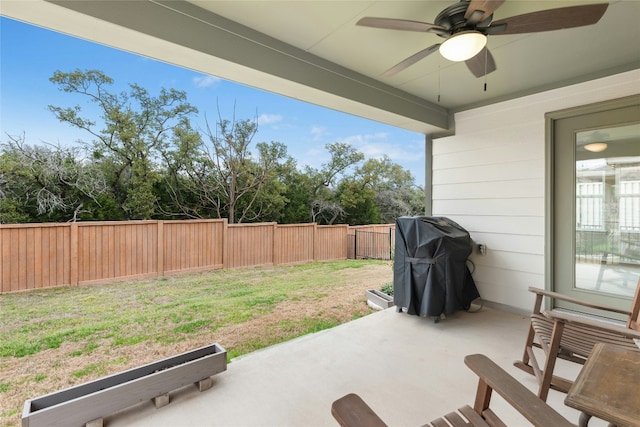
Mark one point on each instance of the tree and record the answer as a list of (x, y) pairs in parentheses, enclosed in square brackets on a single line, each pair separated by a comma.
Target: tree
[(145, 160), (46, 181), (297, 193), (228, 178), (324, 206), (396, 192), (358, 202), (137, 134), (13, 187), (378, 191)]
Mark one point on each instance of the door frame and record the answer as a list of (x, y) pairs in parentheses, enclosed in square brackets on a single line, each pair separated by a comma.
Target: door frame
[(550, 163)]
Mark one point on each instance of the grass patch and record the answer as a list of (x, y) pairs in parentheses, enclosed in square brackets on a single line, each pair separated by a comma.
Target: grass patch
[(191, 327), (93, 369), (127, 314), (129, 340), (10, 414), (73, 334), (90, 347), (308, 325), (283, 331), (18, 348)]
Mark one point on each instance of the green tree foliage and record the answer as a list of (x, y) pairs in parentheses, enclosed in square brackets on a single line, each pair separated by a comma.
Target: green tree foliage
[(46, 183), (396, 193), (145, 160), (379, 191), (136, 132), (325, 207), (297, 186), (13, 199)]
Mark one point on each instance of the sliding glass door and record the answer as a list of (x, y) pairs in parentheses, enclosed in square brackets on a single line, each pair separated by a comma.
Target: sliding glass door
[(595, 204)]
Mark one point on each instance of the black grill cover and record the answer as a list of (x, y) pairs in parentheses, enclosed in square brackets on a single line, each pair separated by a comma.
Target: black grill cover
[(430, 274)]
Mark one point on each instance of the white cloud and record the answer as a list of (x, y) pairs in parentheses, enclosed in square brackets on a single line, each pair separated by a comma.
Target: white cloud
[(377, 145), (269, 119), (316, 151), (317, 132), (312, 156), (205, 81)]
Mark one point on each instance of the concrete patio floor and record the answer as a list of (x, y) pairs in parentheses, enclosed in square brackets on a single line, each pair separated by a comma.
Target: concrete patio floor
[(409, 369)]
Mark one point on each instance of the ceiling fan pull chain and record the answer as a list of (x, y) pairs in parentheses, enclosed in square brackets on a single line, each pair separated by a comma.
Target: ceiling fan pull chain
[(438, 82), (486, 61)]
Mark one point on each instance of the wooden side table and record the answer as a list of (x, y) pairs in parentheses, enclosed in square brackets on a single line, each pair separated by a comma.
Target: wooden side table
[(608, 387)]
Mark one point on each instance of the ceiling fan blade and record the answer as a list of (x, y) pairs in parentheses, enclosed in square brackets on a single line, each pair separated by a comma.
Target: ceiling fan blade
[(549, 20), (401, 24), (479, 10), (411, 60), (477, 64)]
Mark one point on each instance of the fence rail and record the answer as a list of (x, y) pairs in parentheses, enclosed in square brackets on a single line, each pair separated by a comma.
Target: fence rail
[(36, 256), (611, 239)]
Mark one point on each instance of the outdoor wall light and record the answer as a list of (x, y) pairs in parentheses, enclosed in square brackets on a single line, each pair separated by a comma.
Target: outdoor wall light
[(596, 147), (463, 45)]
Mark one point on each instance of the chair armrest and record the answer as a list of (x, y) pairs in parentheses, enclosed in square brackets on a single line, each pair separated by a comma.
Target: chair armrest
[(517, 395), (352, 411), (592, 323), (583, 303)]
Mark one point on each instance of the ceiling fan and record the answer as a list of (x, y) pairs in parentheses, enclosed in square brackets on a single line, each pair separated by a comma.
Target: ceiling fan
[(466, 25)]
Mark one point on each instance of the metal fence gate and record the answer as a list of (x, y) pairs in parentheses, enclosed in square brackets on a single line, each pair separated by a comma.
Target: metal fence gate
[(370, 245)]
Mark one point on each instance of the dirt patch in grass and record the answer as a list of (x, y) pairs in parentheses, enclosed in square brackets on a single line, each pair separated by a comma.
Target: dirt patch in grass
[(50, 340)]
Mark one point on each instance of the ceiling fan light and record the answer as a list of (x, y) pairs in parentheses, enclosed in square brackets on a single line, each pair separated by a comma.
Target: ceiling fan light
[(596, 147), (463, 45)]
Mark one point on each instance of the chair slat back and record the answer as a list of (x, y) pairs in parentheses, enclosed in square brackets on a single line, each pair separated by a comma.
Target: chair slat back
[(634, 318)]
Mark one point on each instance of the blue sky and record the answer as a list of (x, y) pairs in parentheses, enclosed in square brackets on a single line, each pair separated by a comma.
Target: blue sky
[(30, 55)]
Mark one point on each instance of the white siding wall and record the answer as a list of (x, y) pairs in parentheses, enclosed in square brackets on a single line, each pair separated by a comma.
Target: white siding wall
[(490, 178)]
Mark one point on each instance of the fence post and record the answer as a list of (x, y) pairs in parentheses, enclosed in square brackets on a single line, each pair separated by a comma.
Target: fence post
[(1, 262), (73, 248), (225, 242), (355, 244), (160, 237), (315, 241), (390, 248), (275, 243)]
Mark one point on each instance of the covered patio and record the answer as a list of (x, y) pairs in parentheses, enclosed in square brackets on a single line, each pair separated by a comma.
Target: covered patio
[(488, 158), (409, 369)]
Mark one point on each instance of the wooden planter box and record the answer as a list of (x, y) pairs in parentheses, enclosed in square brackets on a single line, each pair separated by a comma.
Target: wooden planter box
[(379, 300), (88, 403)]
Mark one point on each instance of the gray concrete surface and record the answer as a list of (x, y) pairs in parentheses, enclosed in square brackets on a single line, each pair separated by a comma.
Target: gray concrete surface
[(409, 369)]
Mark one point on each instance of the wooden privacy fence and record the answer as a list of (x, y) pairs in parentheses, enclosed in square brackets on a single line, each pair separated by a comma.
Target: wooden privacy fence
[(36, 256)]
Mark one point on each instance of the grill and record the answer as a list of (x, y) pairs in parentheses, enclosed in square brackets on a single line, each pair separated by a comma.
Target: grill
[(430, 274)]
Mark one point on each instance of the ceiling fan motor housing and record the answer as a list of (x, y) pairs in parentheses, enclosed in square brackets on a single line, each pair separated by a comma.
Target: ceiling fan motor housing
[(452, 18)]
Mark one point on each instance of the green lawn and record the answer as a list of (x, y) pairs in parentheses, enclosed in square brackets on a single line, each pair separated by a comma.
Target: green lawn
[(52, 339)]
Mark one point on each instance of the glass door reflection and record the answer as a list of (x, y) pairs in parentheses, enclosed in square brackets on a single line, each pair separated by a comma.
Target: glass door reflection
[(607, 233)]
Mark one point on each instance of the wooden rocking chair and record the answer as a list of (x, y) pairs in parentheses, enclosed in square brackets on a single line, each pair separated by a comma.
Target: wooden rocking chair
[(352, 411), (568, 336)]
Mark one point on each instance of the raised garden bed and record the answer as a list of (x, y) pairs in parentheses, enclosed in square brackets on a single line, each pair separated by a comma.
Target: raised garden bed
[(379, 300), (88, 403)]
